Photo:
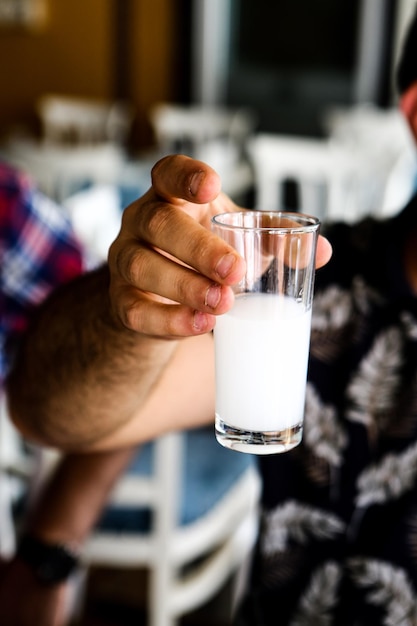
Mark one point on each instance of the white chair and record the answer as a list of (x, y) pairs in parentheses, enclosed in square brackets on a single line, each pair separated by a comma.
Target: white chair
[(187, 510), (83, 142), (16, 471), (73, 120), (202, 502), (331, 179), (61, 171), (215, 135), (382, 139)]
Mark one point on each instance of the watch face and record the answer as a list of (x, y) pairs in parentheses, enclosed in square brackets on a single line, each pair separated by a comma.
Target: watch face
[(51, 563)]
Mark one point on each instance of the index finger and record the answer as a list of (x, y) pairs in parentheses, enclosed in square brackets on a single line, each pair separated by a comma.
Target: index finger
[(174, 217), (193, 187), (178, 177)]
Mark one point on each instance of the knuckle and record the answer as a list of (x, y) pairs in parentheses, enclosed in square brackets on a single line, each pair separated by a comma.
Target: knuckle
[(132, 312), (131, 317), (182, 289), (132, 264), (156, 220), (136, 266), (190, 289), (176, 323)]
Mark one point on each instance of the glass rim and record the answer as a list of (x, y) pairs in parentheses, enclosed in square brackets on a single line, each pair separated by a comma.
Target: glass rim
[(309, 223)]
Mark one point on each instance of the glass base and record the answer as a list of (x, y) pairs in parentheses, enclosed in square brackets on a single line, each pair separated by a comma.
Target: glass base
[(258, 442)]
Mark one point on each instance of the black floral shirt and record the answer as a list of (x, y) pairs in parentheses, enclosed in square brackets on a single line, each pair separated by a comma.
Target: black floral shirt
[(338, 535)]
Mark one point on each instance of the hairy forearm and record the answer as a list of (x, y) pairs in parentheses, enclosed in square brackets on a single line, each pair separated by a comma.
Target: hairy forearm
[(79, 375)]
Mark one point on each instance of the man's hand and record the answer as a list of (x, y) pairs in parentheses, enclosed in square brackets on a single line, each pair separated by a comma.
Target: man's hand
[(170, 276), (108, 378)]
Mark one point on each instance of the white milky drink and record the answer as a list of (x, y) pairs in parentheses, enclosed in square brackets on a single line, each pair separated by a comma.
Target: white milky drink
[(261, 352)]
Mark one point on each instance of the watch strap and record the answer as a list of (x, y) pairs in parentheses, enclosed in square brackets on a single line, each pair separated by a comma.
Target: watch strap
[(52, 563)]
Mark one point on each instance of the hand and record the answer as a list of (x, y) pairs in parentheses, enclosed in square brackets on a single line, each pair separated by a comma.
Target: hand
[(25, 602), (170, 276)]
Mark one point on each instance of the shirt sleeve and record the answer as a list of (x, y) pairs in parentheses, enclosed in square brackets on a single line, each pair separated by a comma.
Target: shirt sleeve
[(38, 252)]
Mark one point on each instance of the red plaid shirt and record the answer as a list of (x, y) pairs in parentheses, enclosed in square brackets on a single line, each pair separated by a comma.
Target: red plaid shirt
[(38, 251)]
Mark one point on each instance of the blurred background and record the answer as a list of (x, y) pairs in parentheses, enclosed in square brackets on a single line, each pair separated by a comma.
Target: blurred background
[(288, 60), (95, 93), (292, 101)]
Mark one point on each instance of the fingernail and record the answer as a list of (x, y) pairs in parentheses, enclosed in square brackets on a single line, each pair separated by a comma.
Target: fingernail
[(213, 295), (225, 264), (199, 321), (195, 182)]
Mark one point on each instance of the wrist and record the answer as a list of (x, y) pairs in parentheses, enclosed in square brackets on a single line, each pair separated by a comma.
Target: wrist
[(51, 563)]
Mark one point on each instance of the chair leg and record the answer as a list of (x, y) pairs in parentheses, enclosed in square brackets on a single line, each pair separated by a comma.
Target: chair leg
[(159, 598), (7, 529), (77, 595)]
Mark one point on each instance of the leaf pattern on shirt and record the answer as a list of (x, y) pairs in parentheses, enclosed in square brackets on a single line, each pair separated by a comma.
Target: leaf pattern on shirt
[(373, 389), (297, 522), (332, 308), (389, 588), (332, 316), (317, 602), (323, 433), (389, 479), (364, 296), (410, 324), (338, 317)]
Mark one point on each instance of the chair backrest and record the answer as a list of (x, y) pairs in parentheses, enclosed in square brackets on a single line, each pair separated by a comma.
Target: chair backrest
[(382, 133), (334, 181), (215, 135), (71, 120), (62, 170), (320, 175), (194, 126), (382, 137), (185, 501)]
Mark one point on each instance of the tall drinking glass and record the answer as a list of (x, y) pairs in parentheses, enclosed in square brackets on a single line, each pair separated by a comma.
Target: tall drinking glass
[(262, 343)]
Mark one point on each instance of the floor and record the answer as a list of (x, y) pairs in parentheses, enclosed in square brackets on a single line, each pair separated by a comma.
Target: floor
[(116, 598)]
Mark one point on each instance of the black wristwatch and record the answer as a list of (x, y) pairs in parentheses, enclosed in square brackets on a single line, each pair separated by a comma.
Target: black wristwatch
[(51, 563)]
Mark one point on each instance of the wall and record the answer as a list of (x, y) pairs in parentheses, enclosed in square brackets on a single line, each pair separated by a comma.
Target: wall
[(153, 36), (76, 53)]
